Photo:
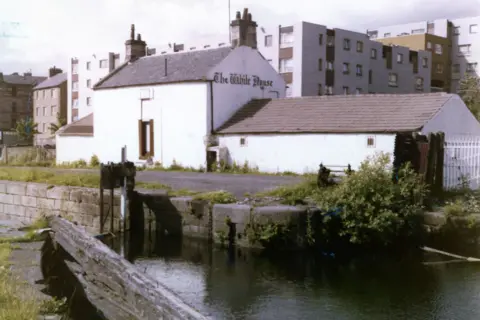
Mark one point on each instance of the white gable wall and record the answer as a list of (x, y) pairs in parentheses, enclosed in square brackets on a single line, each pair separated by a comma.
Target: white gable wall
[(228, 97), (178, 112), (453, 119), (302, 153)]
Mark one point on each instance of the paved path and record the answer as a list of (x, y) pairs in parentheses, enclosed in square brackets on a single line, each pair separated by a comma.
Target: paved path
[(238, 184)]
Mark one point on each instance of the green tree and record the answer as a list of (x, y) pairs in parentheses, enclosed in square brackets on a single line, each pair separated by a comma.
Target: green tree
[(26, 128), (54, 127), (469, 91)]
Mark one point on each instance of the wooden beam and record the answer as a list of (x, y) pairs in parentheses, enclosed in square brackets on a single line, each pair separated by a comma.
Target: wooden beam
[(111, 283)]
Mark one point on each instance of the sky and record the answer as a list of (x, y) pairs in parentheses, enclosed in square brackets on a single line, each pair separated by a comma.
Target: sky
[(36, 35)]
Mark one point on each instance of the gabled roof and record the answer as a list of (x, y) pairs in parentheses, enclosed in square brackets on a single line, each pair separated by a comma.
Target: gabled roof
[(372, 113), (19, 79), (52, 82), (168, 68), (81, 127)]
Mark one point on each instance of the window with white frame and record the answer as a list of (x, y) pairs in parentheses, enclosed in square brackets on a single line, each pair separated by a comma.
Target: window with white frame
[(346, 68), (329, 65), (286, 39), (346, 44), (45, 111), (89, 83), (359, 70), (471, 67), (419, 83), (37, 111), (75, 103), (286, 65), (328, 90), (74, 68), (88, 65), (44, 127), (359, 46), (373, 54), (52, 93), (53, 110), (429, 45), (103, 63), (268, 41), (75, 86), (89, 101), (438, 48), (425, 62), (456, 31), (399, 58), (474, 28), (392, 80), (464, 49)]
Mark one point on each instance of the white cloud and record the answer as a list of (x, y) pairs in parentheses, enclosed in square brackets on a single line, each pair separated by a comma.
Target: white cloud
[(57, 29)]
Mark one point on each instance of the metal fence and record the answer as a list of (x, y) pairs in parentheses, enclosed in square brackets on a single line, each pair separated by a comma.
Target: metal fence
[(462, 162)]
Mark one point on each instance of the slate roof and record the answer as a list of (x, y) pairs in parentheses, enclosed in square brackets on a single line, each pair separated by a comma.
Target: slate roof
[(19, 79), (369, 113), (52, 82), (181, 66), (81, 127)]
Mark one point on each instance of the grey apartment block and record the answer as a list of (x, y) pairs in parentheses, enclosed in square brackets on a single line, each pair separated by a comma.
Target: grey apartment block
[(316, 60)]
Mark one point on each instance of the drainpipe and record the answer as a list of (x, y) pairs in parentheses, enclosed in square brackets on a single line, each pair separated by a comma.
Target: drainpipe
[(212, 128)]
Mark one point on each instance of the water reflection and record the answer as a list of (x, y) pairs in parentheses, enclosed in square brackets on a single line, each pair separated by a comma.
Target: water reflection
[(239, 284)]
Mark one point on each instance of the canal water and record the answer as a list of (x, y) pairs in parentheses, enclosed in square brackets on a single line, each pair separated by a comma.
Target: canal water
[(239, 284)]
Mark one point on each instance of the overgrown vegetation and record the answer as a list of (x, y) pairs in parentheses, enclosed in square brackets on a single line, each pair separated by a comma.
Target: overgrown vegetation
[(367, 208), (54, 127), (26, 129), (469, 91)]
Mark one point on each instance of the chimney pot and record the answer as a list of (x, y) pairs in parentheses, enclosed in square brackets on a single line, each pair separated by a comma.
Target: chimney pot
[(139, 37), (238, 16), (132, 32)]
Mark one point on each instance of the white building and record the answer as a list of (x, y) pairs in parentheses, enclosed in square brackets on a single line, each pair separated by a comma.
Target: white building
[(166, 108), (315, 60), (465, 40), (85, 72), (336, 130)]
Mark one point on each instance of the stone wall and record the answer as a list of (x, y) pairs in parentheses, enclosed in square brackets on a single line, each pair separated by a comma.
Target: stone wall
[(222, 223), (26, 202)]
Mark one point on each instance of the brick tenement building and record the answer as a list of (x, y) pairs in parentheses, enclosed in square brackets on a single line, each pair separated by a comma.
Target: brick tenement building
[(16, 98)]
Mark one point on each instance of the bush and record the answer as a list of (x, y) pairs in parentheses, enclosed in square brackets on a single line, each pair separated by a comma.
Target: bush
[(374, 210), (94, 161)]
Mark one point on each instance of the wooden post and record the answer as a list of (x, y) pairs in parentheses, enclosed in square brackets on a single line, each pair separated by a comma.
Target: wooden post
[(123, 200), (112, 203), (101, 199), (430, 172)]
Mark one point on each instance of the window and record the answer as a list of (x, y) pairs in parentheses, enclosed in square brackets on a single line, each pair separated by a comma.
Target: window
[(456, 31), (53, 110), (473, 28), (320, 39), (286, 39), (392, 80), (346, 68), (103, 63), (43, 93), (286, 65), (328, 90), (345, 90), (346, 44), (320, 64), (429, 45), (288, 92), (243, 141), (268, 41), (89, 83), (88, 65), (52, 93), (37, 111), (358, 91), (373, 54), (471, 67), (456, 68), (425, 62), (370, 76), (44, 127), (74, 68), (386, 35), (439, 68), (319, 89), (372, 34), (399, 58), (74, 87), (359, 46), (146, 145), (419, 83), (89, 101), (329, 65), (75, 103), (44, 111), (418, 31), (464, 49), (330, 41), (371, 142), (14, 91), (359, 70), (438, 48)]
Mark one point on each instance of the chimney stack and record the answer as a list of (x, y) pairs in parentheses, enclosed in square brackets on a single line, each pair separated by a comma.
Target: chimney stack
[(54, 71), (135, 49), (243, 30)]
